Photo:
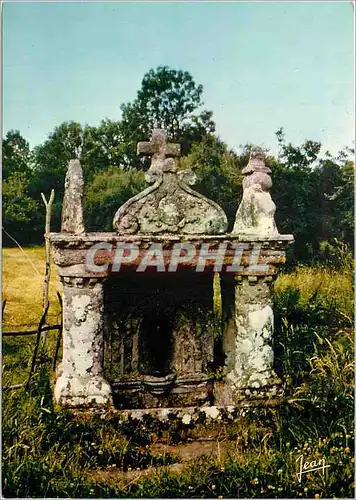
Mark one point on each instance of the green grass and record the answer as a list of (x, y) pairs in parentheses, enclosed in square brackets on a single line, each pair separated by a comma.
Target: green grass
[(50, 452), (22, 282)]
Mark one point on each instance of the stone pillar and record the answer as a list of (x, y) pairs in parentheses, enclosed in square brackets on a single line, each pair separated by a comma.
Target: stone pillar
[(72, 211), (80, 381), (248, 336)]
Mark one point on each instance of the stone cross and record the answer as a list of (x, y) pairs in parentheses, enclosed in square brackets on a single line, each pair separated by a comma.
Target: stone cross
[(158, 148)]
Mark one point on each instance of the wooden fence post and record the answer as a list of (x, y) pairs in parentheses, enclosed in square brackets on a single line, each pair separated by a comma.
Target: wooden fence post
[(33, 362), (48, 204)]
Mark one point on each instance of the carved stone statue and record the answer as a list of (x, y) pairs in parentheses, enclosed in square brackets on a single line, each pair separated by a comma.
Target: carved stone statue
[(255, 215)]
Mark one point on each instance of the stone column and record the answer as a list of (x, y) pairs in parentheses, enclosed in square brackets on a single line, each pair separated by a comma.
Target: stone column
[(248, 337), (80, 381)]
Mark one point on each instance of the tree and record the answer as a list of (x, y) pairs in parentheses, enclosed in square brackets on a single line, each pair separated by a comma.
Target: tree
[(51, 158), (106, 193), (218, 173), (104, 146), (314, 196), (19, 210), (168, 99), (16, 155), (297, 157), (336, 181), (296, 192), (50, 165)]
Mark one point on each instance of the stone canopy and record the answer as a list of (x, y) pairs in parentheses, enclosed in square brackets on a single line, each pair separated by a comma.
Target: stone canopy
[(146, 336), (169, 205)]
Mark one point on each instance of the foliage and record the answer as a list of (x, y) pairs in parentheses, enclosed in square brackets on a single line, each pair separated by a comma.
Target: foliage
[(18, 207), (310, 304), (104, 146), (52, 157), (50, 165), (337, 187), (295, 187), (107, 192), (337, 255), (313, 195), (16, 155), (168, 99), (218, 172)]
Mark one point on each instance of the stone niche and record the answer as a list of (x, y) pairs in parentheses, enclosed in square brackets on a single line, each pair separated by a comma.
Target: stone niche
[(139, 329), (160, 339)]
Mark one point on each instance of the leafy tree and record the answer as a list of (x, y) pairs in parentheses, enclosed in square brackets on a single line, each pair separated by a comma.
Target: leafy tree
[(50, 165), (297, 157), (16, 155), (98, 148), (346, 202), (296, 192), (218, 173), (336, 180), (51, 158), (107, 192), (168, 99), (314, 195), (104, 146), (19, 210)]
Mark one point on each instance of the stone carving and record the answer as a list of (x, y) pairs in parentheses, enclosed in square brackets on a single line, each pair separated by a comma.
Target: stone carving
[(160, 338), (158, 148), (72, 212), (249, 361), (169, 205), (255, 215), (148, 340), (80, 381)]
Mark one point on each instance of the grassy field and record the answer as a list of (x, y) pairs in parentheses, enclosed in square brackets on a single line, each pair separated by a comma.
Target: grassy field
[(50, 452), (22, 282), (22, 279)]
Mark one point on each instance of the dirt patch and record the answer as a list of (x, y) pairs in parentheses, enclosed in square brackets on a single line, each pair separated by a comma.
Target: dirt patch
[(195, 449), (124, 478), (183, 453)]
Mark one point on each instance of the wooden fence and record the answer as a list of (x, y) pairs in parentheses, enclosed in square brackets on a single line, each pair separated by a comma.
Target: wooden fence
[(42, 328)]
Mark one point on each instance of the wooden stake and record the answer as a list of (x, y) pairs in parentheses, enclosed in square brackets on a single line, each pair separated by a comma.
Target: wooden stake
[(3, 309), (48, 204), (38, 338), (20, 333)]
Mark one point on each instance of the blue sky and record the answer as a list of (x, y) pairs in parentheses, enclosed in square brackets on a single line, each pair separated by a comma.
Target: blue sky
[(262, 65)]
